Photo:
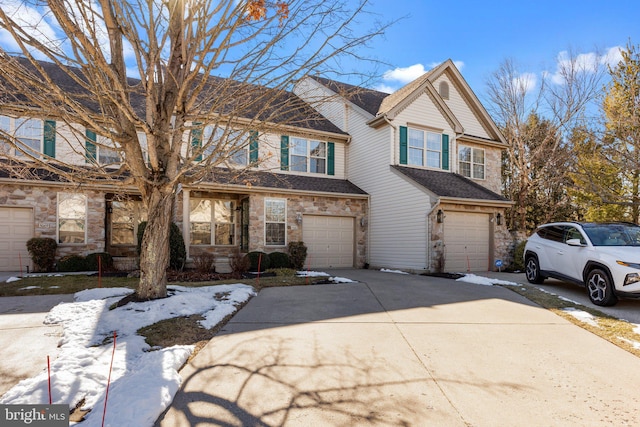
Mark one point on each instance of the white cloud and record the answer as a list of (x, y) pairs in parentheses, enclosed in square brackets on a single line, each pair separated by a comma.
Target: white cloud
[(525, 82), (404, 75), (400, 76), (583, 63), (612, 56), (385, 88)]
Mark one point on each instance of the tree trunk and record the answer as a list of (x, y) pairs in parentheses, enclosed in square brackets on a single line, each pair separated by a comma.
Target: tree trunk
[(154, 248)]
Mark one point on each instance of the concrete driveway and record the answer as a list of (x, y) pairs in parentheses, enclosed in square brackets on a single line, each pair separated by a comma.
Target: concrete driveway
[(400, 350), (25, 342)]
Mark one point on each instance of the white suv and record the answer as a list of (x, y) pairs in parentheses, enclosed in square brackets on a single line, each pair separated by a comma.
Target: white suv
[(604, 257)]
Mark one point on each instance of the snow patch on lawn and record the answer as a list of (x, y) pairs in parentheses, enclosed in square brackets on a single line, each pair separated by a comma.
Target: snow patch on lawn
[(12, 279), (581, 315), (143, 382), (311, 274)]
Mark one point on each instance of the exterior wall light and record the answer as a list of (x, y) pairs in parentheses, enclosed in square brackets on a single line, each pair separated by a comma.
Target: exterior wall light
[(499, 218), (439, 216), (299, 218)]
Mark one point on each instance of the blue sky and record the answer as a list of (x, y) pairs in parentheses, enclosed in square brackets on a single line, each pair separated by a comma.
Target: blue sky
[(479, 35)]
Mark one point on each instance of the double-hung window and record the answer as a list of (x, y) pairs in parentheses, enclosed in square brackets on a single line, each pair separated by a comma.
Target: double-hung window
[(101, 149), (72, 218), (212, 222), (471, 162), (425, 148), (231, 145), (308, 155), (32, 136), (275, 222)]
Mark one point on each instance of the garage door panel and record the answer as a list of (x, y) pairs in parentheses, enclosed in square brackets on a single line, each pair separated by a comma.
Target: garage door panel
[(16, 228), (330, 241), (467, 242)]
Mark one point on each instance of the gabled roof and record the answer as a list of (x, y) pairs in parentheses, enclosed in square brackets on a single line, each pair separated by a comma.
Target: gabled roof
[(367, 99), (253, 101), (405, 95), (382, 105), (450, 185)]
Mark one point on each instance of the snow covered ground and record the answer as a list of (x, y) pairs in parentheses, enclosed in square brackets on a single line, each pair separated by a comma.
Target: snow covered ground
[(143, 382)]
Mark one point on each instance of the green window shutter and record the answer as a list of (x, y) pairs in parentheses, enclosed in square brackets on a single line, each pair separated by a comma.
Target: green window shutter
[(284, 153), (253, 146), (403, 145), (331, 150), (90, 149), (49, 138), (196, 140), (445, 152)]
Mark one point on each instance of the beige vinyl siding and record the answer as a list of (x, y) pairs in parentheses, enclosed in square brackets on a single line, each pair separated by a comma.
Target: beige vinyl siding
[(423, 112), (69, 147), (397, 210), (460, 108), (325, 101)]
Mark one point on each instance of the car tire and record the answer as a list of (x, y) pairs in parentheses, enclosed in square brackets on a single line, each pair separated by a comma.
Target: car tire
[(532, 270), (600, 288)]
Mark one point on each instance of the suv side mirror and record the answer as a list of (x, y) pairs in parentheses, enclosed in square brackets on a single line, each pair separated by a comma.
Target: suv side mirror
[(574, 242)]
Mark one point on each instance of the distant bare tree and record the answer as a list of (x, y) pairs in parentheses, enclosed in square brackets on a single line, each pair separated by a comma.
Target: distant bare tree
[(173, 48), (536, 119)]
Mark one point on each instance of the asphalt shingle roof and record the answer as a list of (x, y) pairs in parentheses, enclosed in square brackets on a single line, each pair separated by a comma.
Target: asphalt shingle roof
[(448, 184), (367, 99), (224, 176), (249, 101), (283, 181)]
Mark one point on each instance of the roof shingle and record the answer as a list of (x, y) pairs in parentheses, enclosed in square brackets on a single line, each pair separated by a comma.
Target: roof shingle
[(448, 184)]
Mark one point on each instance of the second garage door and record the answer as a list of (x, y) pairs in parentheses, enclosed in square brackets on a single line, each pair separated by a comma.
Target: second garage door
[(16, 227), (467, 240), (329, 241)]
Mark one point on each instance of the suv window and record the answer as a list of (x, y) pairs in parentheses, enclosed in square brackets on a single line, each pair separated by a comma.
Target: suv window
[(553, 232), (574, 233)]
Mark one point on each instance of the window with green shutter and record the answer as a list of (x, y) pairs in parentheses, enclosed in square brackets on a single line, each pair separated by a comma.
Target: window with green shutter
[(49, 138), (253, 146), (284, 152), (90, 148), (403, 145), (331, 150), (445, 152)]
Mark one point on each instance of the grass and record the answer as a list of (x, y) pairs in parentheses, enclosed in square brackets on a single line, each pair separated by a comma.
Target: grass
[(175, 331), (616, 331)]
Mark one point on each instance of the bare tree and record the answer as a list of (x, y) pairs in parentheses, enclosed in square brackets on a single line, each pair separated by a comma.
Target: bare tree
[(93, 50), (536, 119)]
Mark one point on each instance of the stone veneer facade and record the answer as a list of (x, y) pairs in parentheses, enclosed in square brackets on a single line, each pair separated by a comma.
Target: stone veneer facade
[(43, 200), (503, 240)]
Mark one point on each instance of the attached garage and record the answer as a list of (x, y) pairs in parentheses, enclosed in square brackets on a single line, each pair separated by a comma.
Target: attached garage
[(329, 241), (16, 227), (467, 242)]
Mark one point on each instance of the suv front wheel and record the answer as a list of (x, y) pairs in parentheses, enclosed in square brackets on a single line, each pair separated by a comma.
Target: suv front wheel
[(600, 288), (532, 270)]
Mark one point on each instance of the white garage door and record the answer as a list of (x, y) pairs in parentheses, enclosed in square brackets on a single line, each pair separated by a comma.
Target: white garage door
[(16, 227), (329, 241), (466, 236)]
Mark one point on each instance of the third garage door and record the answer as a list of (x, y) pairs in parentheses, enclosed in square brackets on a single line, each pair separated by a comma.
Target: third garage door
[(466, 236), (16, 227), (329, 241)]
